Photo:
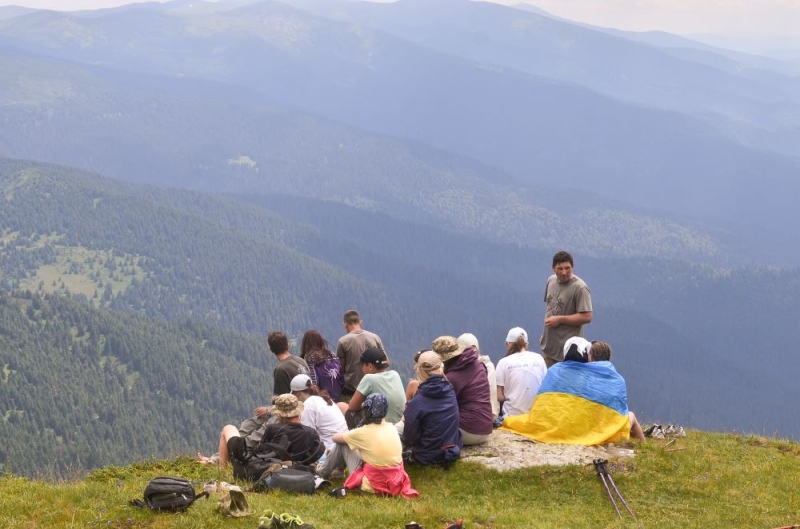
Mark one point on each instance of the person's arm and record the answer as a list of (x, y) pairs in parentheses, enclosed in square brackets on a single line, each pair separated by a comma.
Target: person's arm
[(501, 394), (338, 437), (411, 422), (357, 402), (411, 389), (576, 320)]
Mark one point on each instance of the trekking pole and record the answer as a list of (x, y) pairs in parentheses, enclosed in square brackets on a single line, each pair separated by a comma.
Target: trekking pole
[(611, 480), (599, 467), (602, 471)]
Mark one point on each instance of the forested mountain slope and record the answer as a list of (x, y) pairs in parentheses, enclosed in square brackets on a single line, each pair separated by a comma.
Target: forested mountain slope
[(291, 263), (83, 387), (127, 247)]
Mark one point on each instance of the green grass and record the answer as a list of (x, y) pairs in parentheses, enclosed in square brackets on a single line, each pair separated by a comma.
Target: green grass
[(703, 480)]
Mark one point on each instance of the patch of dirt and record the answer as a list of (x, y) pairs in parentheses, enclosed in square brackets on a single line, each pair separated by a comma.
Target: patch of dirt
[(509, 451)]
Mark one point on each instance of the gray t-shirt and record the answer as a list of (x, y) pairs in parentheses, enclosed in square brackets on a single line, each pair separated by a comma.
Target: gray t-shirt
[(285, 371), (349, 350), (564, 299)]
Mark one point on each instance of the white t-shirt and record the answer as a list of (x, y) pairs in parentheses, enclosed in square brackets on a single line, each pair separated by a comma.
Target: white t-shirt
[(520, 374), (326, 420)]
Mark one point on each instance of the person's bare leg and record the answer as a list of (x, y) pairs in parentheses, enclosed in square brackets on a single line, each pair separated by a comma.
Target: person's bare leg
[(636, 428), (227, 432)]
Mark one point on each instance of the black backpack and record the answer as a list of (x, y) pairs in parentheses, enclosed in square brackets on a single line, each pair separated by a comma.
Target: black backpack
[(251, 464), (168, 494), (256, 461)]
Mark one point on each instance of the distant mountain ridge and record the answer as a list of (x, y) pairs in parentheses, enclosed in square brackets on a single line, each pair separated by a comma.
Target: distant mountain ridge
[(536, 129), (99, 119)]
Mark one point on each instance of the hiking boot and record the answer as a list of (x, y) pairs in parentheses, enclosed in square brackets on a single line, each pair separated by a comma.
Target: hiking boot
[(655, 431), (674, 431)]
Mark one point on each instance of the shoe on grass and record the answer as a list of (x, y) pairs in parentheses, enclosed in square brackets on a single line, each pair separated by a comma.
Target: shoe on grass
[(674, 431)]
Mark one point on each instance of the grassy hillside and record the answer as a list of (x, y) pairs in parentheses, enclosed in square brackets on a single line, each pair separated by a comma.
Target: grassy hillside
[(703, 480)]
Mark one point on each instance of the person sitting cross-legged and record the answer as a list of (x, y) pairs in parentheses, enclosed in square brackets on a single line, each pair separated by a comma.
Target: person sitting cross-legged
[(431, 430), (377, 443)]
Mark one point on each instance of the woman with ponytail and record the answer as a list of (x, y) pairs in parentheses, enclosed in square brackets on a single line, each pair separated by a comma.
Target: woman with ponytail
[(319, 411), (519, 374)]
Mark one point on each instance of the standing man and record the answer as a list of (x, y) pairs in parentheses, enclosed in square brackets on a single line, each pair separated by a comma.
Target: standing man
[(350, 348), (569, 308)]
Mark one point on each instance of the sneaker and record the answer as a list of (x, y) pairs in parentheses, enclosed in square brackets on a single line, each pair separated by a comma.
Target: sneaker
[(655, 431), (338, 492), (674, 431)]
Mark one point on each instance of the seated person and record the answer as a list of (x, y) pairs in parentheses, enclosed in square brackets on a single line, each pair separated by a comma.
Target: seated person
[(251, 429), (601, 352), (301, 443), (470, 381), (377, 379), (519, 374), (413, 384), (319, 411), (324, 368), (580, 403), (576, 349), (467, 340), (431, 418), (377, 443)]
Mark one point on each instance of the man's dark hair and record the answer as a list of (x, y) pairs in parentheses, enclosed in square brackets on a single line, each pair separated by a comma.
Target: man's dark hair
[(351, 317), (600, 351), (278, 342), (562, 257)]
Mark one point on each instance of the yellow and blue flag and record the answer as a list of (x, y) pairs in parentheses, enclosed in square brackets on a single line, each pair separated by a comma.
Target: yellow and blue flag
[(577, 403)]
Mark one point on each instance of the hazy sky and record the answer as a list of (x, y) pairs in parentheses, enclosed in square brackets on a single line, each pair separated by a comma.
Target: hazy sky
[(739, 17)]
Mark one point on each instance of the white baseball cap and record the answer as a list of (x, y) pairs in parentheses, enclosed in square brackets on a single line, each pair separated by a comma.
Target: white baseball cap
[(515, 333), (300, 382)]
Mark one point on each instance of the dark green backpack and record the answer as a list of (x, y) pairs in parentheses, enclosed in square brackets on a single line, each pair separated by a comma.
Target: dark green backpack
[(168, 494)]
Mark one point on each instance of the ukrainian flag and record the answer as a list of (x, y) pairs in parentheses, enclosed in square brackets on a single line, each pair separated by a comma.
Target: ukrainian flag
[(577, 403)]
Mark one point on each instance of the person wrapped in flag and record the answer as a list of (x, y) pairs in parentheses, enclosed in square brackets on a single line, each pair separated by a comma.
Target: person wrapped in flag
[(580, 402)]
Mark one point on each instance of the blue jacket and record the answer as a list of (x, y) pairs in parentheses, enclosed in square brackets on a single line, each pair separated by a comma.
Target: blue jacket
[(431, 423)]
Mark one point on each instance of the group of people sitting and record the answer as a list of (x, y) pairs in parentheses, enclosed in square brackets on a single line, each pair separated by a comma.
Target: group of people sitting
[(457, 398)]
